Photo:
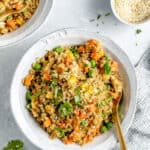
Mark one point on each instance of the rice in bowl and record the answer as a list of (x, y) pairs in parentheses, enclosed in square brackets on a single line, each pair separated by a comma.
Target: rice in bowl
[(71, 91)]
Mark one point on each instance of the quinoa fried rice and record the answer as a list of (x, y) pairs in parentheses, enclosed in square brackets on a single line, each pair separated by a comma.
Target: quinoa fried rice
[(15, 13), (71, 91)]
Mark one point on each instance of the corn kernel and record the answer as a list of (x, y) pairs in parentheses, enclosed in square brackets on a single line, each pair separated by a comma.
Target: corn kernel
[(72, 80), (105, 77), (84, 86), (19, 21), (101, 53), (90, 89), (49, 95), (70, 55)]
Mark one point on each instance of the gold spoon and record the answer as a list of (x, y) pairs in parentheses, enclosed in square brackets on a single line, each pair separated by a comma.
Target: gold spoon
[(117, 124)]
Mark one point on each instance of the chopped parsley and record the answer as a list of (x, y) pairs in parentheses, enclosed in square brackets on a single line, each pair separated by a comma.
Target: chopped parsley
[(138, 31), (14, 145), (98, 16), (107, 14)]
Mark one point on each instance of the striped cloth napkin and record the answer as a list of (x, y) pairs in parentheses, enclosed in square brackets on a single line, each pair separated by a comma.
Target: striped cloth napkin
[(138, 136)]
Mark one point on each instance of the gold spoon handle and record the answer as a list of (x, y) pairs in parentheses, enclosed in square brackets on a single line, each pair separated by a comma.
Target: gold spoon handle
[(119, 132)]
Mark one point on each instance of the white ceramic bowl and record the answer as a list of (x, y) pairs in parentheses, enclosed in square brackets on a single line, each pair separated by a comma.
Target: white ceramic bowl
[(31, 26), (67, 37), (112, 3)]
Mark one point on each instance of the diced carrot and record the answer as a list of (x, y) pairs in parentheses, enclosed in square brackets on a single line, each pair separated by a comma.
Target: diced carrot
[(67, 61), (87, 139), (81, 65), (63, 125), (91, 107), (11, 24), (86, 69), (60, 69), (67, 140), (18, 6), (114, 66), (95, 55), (46, 76), (92, 42), (47, 123), (82, 115), (81, 49), (27, 80), (77, 112)]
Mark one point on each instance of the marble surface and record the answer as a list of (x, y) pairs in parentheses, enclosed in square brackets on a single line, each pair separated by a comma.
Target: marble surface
[(80, 13)]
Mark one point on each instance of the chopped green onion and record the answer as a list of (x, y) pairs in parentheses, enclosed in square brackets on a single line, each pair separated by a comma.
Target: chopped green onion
[(37, 66), (104, 129), (65, 109), (102, 115), (28, 106), (86, 65), (93, 63), (91, 73), (84, 123), (107, 68), (74, 51), (61, 131), (77, 99), (60, 93), (54, 82), (25, 10), (109, 125), (77, 89), (58, 49)]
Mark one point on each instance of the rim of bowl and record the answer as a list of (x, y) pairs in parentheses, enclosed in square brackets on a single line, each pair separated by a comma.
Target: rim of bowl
[(32, 29), (112, 3), (132, 105)]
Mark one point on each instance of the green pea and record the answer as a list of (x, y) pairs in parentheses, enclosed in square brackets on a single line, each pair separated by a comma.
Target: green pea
[(84, 123), (37, 66), (109, 125), (28, 96), (58, 49), (91, 73), (93, 63), (104, 129), (102, 115), (10, 17)]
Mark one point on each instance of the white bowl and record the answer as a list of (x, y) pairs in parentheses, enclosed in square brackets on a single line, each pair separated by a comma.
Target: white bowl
[(67, 37), (31, 26), (112, 3)]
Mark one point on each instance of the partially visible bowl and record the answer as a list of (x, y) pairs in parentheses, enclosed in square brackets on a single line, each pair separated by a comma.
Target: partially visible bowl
[(112, 3), (70, 37), (39, 17)]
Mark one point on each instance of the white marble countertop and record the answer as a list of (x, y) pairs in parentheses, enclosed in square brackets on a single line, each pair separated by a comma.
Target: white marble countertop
[(66, 13)]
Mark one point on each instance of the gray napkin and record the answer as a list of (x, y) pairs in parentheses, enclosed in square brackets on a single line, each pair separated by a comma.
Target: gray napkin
[(138, 136)]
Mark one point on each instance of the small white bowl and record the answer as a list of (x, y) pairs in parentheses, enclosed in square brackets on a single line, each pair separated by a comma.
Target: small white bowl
[(70, 37), (41, 14), (112, 3)]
